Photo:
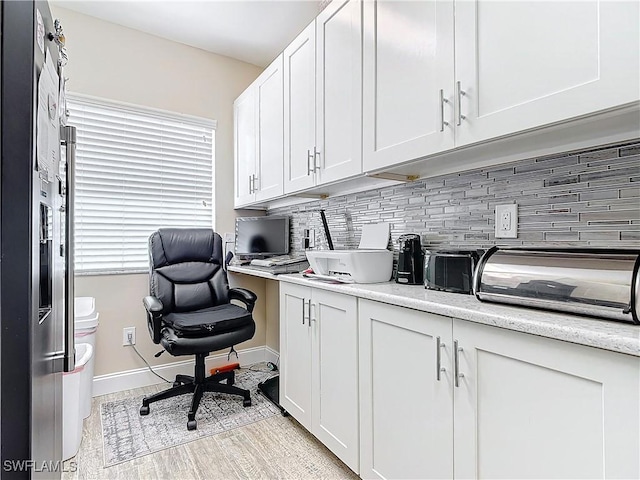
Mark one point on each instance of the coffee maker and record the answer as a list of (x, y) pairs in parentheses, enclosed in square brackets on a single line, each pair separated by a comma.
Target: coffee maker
[(410, 261)]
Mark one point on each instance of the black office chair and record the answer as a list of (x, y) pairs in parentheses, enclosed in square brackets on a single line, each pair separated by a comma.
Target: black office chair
[(189, 310)]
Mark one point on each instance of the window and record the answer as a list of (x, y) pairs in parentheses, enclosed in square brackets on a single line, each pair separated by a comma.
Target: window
[(137, 170)]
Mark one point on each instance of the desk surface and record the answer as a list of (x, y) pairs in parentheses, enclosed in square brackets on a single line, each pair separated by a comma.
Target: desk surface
[(254, 272)]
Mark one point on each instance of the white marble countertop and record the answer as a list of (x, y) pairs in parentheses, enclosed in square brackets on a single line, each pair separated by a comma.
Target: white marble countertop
[(606, 334)]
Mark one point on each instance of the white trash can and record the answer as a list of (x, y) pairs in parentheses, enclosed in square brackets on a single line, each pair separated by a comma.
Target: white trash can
[(86, 326), (71, 401)]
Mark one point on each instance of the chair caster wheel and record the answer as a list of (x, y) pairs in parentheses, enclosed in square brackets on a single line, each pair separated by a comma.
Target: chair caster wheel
[(192, 425), (246, 402), (144, 410)]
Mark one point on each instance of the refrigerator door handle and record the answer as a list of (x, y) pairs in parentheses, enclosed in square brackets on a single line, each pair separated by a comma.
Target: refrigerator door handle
[(68, 139)]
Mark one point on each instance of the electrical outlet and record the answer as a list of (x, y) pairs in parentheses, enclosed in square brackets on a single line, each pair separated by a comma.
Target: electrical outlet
[(308, 238), (507, 221), (128, 336)]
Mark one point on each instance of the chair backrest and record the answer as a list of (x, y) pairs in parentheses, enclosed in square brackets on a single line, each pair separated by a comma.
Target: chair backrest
[(186, 271)]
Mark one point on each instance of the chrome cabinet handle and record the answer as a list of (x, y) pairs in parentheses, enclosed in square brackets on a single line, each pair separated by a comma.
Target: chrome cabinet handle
[(303, 314), (255, 188), (439, 369), (460, 93), (456, 363), (250, 184), (316, 160), (311, 317), (442, 102), (310, 166)]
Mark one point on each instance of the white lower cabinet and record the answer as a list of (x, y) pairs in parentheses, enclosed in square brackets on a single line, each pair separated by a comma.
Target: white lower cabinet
[(511, 405), (295, 352), (319, 366), (533, 407), (406, 412)]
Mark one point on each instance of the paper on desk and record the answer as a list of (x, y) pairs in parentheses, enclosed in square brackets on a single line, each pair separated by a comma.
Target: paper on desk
[(47, 126), (375, 236)]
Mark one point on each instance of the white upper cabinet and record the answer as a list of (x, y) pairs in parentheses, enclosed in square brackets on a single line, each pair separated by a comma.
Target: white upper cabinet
[(323, 99), (515, 66), (244, 117), (258, 138), (408, 78), (270, 129), (529, 63), (300, 111), (339, 91), (376, 83)]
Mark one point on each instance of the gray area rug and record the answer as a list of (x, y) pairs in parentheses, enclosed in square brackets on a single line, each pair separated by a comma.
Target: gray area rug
[(127, 434)]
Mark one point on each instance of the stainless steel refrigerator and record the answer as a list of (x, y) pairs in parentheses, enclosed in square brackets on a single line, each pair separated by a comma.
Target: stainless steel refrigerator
[(36, 277)]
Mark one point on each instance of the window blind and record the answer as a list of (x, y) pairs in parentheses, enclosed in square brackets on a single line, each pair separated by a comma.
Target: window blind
[(136, 170)]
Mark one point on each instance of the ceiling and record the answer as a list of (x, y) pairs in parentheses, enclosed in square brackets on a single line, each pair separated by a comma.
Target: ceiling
[(254, 31)]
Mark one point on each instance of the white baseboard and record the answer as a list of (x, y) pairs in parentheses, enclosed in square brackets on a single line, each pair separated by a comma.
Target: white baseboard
[(142, 377)]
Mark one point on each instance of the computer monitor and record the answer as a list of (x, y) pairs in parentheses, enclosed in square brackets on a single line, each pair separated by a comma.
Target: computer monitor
[(262, 236)]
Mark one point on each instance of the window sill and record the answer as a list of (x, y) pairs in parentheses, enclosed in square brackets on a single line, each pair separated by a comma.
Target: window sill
[(98, 273)]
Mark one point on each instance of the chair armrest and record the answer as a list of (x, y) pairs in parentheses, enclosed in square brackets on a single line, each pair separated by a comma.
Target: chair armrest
[(154, 307), (245, 296), (152, 304)]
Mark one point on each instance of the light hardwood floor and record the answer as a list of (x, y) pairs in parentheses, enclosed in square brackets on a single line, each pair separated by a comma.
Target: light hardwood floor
[(277, 448)]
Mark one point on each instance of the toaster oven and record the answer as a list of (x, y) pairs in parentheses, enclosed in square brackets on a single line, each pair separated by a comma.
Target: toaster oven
[(450, 270)]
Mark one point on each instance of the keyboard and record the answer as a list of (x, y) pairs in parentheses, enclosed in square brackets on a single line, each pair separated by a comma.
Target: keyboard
[(278, 261)]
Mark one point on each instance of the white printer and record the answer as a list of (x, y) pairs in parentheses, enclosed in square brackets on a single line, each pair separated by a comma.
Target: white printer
[(371, 262)]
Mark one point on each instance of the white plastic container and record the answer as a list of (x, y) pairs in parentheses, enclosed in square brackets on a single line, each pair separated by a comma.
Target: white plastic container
[(86, 326), (86, 320), (71, 400)]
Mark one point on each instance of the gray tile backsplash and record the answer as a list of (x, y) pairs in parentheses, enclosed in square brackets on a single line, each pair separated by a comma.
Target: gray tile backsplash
[(578, 199)]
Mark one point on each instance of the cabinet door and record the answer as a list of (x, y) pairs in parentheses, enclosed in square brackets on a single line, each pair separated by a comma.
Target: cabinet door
[(295, 351), (408, 81), (339, 90), (300, 111), (244, 118), (529, 63), (533, 407), (335, 374), (406, 412), (270, 131)]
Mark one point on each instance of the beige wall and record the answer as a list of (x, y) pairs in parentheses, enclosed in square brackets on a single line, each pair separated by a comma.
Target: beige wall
[(118, 63), (119, 301)]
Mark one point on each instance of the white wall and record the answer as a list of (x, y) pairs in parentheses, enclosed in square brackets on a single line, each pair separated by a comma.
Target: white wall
[(118, 63)]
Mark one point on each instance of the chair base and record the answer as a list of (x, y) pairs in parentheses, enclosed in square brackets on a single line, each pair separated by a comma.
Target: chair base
[(198, 385)]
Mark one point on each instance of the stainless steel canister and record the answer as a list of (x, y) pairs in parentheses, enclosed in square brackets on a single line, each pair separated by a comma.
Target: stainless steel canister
[(592, 282)]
